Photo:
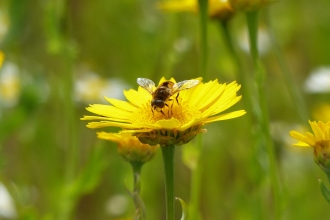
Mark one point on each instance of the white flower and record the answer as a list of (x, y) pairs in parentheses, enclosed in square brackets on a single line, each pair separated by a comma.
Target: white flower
[(7, 209), (319, 80)]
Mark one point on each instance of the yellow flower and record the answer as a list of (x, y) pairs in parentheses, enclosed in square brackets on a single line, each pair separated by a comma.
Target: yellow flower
[(219, 9), (10, 85), (248, 5), (321, 112), (129, 147), (2, 58), (183, 117), (320, 141)]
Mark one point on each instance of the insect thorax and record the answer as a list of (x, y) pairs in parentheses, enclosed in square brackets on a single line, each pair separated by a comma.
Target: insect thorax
[(162, 93)]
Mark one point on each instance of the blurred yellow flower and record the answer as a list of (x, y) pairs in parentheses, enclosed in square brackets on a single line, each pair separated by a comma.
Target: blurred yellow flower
[(129, 147), (10, 84), (2, 58), (248, 5), (219, 9), (321, 112), (183, 119), (320, 141)]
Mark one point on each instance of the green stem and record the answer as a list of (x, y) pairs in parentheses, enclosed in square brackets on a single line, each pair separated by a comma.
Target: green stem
[(168, 160), (196, 177), (203, 11), (140, 211), (287, 74), (244, 79), (241, 75), (263, 118)]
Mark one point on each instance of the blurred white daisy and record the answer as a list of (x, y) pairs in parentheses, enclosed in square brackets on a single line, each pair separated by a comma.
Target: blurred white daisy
[(264, 43), (90, 87), (318, 80), (117, 205), (7, 209)]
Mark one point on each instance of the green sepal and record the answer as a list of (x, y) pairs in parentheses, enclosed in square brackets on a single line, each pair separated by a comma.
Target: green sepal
[(324, 190), (184, 209)]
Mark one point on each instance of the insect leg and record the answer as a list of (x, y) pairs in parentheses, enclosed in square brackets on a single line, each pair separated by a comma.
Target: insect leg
[(168, 112), (177, 96)]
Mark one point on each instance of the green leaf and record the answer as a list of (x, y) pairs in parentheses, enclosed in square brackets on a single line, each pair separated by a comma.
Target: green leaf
[(203, 11), (324, 190), (184, 209)]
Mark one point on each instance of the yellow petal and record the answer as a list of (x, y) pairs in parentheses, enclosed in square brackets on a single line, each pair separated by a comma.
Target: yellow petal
[(168, 124), (103, 118), (310, 139), (225, 106), (229, 115), (206, 94), (301, 144), (108, 111), (297, 135), (179, 6), (137, 98), (121, 104), (136, 131), (212, 97), (103, 124), (190, 124), (317, 131)]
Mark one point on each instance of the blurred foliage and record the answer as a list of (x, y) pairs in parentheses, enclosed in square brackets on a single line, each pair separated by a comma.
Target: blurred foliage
[(55, 168)]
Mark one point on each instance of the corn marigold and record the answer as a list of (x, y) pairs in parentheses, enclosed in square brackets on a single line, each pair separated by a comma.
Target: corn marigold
[(319, 140), (2, 58), (181, 119), (216, 9), (129, 147), (249, 5)]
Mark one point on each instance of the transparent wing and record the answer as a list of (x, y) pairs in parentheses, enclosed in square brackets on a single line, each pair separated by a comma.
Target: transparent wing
[(147, 84), (186, 84)]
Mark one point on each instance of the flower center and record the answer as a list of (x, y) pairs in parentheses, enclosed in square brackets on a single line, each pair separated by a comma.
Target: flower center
[(180, 110)]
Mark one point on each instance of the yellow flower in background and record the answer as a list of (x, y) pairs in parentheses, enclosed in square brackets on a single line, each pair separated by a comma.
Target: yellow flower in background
[(2, 58), (319, 140), (219, 9), (129, 147), (181, 119), (10, 83), (321, 112), (248, 5)]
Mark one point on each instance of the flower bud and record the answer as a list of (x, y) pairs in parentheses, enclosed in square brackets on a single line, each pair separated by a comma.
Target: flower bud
[(322, 155), (129, 147)]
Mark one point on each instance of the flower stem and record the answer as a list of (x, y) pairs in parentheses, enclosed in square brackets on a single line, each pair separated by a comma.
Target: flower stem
[(240, 73), (140, 211), (263, 119), (168, 160), (196, 177), (203, 11), (287, 74)]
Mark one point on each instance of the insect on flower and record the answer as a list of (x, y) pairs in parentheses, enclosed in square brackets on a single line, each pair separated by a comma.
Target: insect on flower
[(164, 91)]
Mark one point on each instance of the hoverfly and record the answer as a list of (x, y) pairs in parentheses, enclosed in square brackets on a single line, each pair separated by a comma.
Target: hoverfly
[(164, 91)]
